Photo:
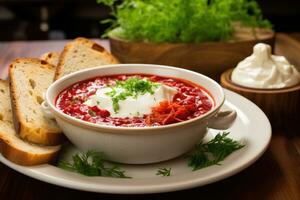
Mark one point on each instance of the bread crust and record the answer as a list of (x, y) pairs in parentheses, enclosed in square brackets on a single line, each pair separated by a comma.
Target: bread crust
[(51, 57), (61, 60), (34, 135), (21, 157), (11, 151), (90, 44)]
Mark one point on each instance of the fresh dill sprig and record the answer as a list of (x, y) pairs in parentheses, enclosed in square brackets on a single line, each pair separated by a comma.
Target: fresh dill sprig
[(213, 152), (131, 87), (91, 163), (163, 172)]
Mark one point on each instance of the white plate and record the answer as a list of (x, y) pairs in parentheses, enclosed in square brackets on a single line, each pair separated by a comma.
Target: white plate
[(251, 127)]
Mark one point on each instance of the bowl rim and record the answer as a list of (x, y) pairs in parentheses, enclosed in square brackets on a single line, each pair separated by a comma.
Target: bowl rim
[(90, 125)]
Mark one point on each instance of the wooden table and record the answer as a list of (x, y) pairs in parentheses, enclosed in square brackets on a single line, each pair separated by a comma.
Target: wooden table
[(276, 175)]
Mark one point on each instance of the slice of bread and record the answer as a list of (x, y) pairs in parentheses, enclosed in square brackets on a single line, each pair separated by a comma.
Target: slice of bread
[(12, 146), (80, 54), (29, 80), (51, 57)]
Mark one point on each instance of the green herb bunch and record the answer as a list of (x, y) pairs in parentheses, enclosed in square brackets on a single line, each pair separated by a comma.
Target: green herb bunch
[(91, 163), (181, 20)]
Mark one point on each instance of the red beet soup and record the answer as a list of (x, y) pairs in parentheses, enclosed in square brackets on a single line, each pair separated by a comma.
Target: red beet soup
[(134, 100)]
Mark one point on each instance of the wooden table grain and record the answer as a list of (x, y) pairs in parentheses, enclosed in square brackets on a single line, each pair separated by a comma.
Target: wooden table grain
[(275, 176)]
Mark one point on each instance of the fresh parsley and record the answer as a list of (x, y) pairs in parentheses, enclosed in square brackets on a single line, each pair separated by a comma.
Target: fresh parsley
[(212, 152), (92, 163), (181, 20), (131, 87), (163, 172)]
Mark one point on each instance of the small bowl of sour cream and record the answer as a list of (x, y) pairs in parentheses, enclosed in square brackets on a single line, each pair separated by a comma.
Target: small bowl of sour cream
[(268, 80)]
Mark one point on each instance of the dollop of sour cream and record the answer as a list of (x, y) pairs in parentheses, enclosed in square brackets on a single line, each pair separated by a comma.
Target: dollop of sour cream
[(264, 70), (131, 106)]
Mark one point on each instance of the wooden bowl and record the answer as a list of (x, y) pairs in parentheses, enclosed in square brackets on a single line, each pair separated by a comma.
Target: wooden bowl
[(210, 59), (280, 105)]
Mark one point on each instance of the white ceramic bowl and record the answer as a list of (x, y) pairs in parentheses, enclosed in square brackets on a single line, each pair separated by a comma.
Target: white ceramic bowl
[(138, 145)]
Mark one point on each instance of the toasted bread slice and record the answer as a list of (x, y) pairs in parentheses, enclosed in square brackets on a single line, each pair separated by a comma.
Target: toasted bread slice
[(11, 145), (82, 54), (29, 79), (51, 57)]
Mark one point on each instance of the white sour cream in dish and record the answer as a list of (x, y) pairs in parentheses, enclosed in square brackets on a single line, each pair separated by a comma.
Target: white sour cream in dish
[(263, 70), (131, 106)]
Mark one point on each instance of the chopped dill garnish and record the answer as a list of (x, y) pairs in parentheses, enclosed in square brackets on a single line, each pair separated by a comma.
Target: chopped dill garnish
[(132, 87), (92, 163), (163, 172), (112, 93), (213, 152)]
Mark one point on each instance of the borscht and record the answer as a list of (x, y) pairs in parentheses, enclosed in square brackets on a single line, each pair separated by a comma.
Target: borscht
[(134, 100)]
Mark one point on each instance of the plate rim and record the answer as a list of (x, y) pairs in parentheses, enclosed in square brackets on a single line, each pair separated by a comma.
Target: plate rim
[(124, 186)]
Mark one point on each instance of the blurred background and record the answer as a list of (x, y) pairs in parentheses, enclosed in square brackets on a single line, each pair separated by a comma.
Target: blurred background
[(65, 19)]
